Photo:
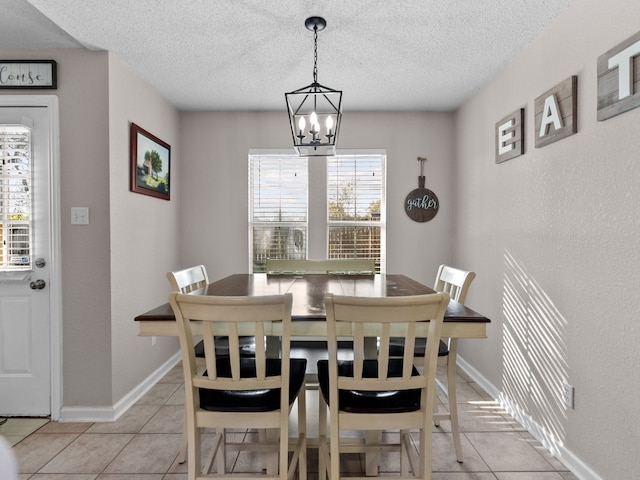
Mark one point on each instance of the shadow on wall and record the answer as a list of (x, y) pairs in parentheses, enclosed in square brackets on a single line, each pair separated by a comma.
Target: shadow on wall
[(534, 354)]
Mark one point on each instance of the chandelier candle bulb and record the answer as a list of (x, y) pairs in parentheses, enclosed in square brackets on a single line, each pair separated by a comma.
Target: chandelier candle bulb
[(329, 126)]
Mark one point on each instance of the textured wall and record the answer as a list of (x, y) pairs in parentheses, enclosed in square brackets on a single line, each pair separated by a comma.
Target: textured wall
[(553, 237), (214, 183), (144, 229)]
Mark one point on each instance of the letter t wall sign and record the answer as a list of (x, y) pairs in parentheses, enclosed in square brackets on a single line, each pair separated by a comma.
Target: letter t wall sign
[(619, 79)]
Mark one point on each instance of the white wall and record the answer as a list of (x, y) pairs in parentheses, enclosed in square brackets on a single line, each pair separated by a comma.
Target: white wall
[(554, 238), (214, 183)]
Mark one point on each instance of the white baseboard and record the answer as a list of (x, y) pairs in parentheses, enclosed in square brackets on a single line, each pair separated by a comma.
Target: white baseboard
[(546, 438), (112, 413)]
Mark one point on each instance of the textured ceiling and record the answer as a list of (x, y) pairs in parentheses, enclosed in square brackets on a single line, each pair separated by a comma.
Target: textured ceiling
[(245, 54)]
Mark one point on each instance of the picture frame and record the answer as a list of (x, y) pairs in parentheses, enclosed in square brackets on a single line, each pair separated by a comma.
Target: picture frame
[(150, 163), (28, 74)]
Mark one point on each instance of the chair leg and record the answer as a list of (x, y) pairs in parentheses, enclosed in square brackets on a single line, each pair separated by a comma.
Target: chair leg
[(436, 418), (182, 454), (322, 437), (372, 460), (451, 395), (302, 433), (426, 454)]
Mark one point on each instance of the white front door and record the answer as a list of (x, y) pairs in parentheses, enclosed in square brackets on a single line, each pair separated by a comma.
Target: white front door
[(25, 317)]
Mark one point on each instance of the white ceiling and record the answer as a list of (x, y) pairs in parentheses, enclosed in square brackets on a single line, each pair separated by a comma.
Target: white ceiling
[(245, 54)]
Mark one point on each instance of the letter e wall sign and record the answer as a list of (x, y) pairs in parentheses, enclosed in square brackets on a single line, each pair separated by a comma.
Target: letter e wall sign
[(619, 79), (556, 112), (510, 136)]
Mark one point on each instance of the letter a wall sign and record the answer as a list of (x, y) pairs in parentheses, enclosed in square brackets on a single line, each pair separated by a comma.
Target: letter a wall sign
[(556, 112)]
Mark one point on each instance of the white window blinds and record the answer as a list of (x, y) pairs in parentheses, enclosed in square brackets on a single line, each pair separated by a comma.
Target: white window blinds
[(278, 208), (15, 197), (355, 202)]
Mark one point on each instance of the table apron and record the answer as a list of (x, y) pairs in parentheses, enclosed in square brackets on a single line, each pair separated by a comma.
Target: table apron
[(315, 329)]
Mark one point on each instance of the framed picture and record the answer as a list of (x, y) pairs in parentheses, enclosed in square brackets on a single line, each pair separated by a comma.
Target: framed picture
[(150, 164), (28, 74)]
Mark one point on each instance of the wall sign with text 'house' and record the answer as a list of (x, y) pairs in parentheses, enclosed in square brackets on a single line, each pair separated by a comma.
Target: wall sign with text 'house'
[(29, 74)]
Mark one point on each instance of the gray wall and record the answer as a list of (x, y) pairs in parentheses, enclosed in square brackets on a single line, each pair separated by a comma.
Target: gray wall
[(214, 183), (554, 238), (113, 268)]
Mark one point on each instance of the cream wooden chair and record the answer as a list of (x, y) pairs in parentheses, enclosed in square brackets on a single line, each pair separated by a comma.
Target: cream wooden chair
[(383, 393), (352, 266), (456, 283), (241, 392), (189, 280), (195, 278)]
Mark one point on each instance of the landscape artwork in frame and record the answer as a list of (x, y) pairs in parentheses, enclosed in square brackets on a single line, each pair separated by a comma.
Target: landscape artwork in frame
[(150, 164)]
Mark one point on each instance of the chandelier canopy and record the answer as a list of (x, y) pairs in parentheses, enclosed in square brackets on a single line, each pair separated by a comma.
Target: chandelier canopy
[(315, 111)]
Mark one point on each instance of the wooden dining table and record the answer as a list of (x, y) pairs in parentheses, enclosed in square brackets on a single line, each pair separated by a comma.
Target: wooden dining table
[(308, 314)]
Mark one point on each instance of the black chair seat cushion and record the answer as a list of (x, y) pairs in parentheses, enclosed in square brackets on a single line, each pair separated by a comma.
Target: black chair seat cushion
[(396, 347), (266, 400), (247, 347), (354, 401)]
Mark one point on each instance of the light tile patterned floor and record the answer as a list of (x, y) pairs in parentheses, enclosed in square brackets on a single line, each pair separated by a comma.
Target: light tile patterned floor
[(143, 443)]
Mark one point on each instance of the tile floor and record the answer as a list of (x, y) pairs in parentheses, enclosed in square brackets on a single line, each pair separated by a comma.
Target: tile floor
[(143, 443)]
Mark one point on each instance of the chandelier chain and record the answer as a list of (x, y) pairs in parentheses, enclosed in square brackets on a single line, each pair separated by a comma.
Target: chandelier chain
[(315, 54)]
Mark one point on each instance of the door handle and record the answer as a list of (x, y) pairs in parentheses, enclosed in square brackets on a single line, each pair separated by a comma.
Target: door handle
[(37, 285)]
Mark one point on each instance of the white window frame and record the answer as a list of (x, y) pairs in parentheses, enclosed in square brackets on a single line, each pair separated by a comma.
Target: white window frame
[(317, 238), (253, 223), (363, 223), (16, 207)]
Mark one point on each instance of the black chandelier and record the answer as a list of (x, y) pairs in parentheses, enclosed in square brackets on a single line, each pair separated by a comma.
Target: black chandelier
[(315, 111)]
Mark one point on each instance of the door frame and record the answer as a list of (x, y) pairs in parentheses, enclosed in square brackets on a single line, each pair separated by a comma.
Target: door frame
[(54, 254)]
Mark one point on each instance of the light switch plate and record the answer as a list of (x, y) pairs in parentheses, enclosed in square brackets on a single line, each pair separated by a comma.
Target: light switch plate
[(79, 215)]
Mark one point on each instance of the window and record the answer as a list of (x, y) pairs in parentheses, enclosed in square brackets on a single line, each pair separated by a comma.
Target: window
[(355, 198), (353, 225), (15, 197), (278, 212)]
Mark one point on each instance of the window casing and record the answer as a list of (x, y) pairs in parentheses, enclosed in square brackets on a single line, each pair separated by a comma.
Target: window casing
[(353, 225), (15, 198)]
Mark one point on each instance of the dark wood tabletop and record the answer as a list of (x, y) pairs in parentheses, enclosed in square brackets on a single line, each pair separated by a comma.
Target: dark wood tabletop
[(309, 291)]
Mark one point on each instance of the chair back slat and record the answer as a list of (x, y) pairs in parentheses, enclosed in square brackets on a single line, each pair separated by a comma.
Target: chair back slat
[(361, 318), (234, 317)]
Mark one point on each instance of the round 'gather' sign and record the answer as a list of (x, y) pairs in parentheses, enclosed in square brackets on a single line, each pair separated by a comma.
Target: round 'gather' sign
[(421, 205)]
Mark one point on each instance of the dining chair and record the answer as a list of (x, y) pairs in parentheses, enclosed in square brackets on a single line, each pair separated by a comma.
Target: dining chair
[(194, 278), (353, 266), (189, 280), (382, 393), (456, 283), (241, 392)]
